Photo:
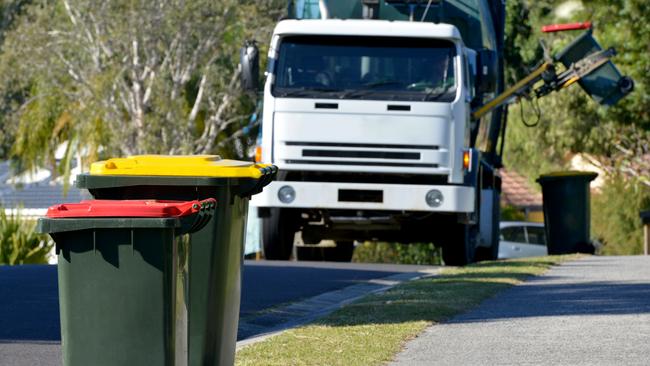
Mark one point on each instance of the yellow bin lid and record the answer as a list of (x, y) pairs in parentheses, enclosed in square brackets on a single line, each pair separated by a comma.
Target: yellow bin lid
[(179, 166)]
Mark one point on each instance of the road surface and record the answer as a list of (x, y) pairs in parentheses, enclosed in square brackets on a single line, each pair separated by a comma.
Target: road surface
[(29, 311)]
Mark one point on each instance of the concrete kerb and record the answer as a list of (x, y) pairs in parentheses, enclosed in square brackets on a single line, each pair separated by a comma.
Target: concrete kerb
[(282, 319)]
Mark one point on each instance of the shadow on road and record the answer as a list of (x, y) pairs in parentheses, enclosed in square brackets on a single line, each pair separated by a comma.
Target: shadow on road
[(29, 304), (442, 298), (592, 298)]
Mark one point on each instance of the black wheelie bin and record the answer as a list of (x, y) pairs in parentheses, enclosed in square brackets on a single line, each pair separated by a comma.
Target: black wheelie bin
[(216, 251), (567, 211)]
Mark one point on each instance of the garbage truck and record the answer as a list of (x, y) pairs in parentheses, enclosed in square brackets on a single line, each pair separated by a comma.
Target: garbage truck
[(386, 120)]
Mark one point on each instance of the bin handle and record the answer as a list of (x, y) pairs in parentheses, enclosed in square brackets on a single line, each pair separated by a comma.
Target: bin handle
[(269, 173), (204, 211)]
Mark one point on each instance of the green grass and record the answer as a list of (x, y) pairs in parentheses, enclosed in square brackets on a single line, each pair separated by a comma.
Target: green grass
[(371, 331)]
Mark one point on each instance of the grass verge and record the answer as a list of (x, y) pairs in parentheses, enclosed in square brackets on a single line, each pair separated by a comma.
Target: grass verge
[(371, 331)]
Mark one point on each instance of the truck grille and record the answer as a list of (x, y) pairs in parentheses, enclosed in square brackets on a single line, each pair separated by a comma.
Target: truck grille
[(360, 163), (362, 155)]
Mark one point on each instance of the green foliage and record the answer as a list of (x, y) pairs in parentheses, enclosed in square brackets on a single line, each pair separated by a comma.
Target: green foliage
[(19, 242), (521, 49), (125, 77), (570, 122), (383, 252), (10, 11), (615, 216), (511, 213)]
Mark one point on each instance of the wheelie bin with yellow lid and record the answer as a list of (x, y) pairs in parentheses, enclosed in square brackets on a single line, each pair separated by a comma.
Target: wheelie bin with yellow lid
[(216, 251), (122, 273)]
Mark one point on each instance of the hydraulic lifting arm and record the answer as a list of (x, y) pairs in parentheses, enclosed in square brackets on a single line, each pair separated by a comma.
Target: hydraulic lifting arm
[(552, 81), (592, 60), (513, 91)]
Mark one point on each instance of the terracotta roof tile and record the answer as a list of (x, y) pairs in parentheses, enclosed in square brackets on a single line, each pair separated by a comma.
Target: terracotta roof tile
[(517, 191)]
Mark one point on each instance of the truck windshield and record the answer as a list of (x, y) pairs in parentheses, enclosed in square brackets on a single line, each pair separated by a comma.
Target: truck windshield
[(374, 68)]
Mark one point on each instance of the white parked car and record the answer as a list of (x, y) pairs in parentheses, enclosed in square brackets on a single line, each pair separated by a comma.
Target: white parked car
[(522, 239)]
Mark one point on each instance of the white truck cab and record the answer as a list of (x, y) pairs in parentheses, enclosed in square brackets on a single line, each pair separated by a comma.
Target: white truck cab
[(353, 96), (368, 122)]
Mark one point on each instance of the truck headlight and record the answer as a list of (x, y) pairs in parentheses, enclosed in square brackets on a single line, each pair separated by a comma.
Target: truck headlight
[(434, 198), (286, 194)]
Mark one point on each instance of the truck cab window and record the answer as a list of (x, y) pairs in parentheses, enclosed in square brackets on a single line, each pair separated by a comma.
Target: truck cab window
[(374, 68)]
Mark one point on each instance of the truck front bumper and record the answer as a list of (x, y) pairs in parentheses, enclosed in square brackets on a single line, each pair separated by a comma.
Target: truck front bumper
[(394, 197)]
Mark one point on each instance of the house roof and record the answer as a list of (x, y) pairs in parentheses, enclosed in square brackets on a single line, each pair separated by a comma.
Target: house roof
[(4, 171), (38, 195), (35, 195), (517, 191)]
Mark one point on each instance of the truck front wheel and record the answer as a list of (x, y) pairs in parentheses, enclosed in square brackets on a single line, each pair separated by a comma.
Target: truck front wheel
[(459, 245), (491, 252), (278, 231)]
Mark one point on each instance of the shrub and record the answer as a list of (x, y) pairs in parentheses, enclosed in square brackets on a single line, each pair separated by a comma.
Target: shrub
[(382, 252), (19, 242), (615, 216), (512, 213)]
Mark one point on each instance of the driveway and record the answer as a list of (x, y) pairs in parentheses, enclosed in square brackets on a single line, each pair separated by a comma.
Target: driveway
[(594, 311)]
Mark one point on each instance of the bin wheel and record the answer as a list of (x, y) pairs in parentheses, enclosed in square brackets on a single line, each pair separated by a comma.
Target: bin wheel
[(459, 245), (491, 253), (278, 231)]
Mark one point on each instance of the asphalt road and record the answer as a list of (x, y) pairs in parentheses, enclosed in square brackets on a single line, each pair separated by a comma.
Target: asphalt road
[(29, 312), (594, 311)]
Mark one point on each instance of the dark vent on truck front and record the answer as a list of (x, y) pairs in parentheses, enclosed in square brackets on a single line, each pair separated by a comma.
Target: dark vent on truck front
[(398, 107), (359, 195), (326, 106), (361, 154)]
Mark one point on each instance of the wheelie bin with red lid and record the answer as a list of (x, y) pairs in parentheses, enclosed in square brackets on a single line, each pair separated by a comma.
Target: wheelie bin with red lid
[(216, 251), (122, 271)]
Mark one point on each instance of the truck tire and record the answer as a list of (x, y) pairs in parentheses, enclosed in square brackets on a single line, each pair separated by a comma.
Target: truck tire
[(341, 253), (459, 245), (491, 253), (278, 231)]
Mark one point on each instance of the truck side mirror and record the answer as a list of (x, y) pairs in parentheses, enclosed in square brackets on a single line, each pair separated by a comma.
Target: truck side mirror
[(486, 76), (249, 61)]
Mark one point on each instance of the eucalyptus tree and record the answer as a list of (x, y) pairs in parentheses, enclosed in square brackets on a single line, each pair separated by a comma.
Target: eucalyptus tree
[(122, 77), (617, 138)]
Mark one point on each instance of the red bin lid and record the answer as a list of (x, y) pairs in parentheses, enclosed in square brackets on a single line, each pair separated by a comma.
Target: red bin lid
[(128, 208)]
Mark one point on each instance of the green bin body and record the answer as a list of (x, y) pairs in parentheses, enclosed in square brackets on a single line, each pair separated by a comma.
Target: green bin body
[(605, 84), (567, 211), (215, 252), (121, 289)]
